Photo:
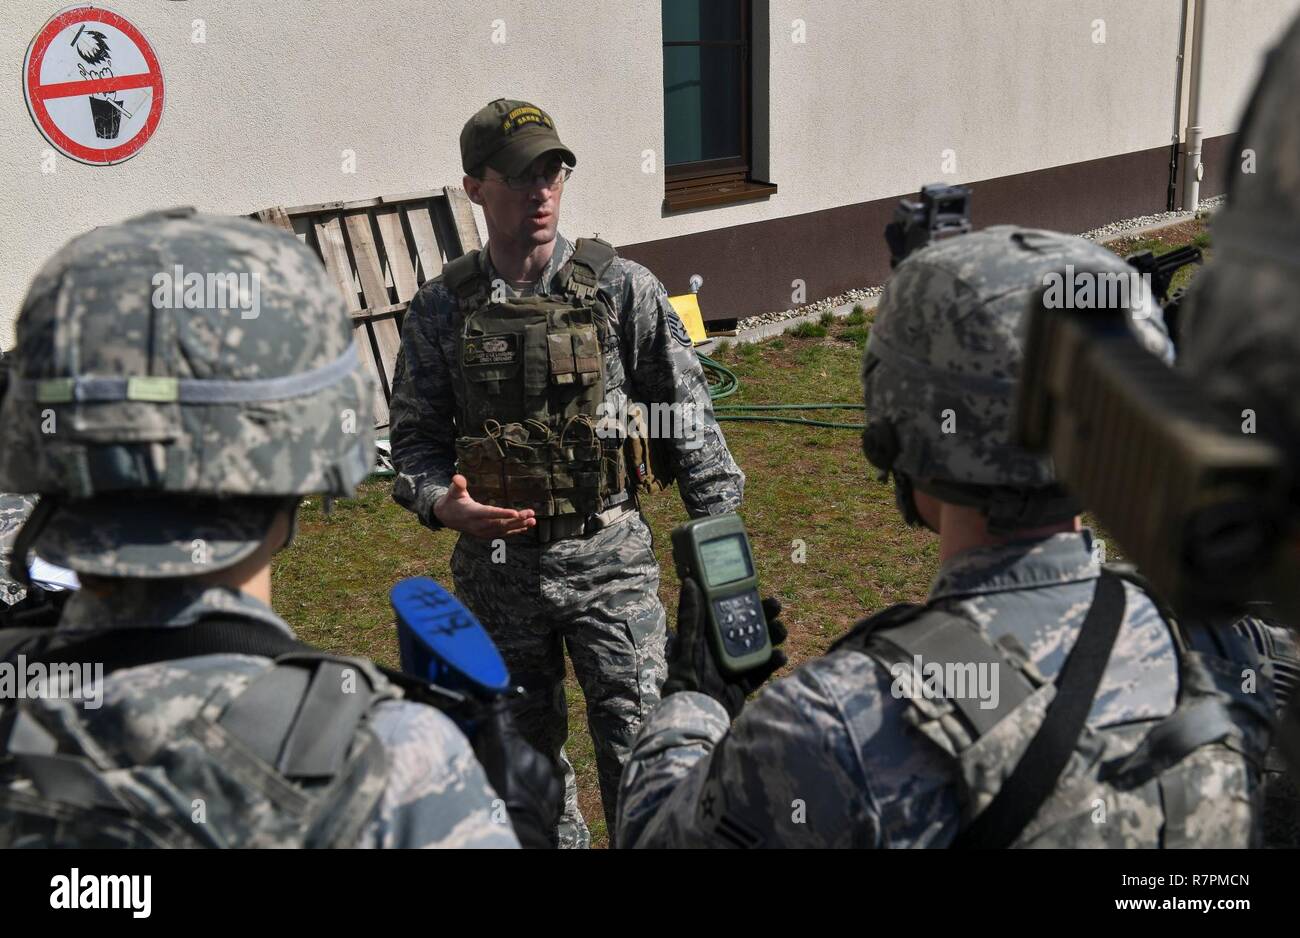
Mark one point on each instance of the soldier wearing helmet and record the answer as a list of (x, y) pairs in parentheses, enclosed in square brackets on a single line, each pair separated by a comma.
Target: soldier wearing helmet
[(1036, 698), (1243, 347), (170, 444)]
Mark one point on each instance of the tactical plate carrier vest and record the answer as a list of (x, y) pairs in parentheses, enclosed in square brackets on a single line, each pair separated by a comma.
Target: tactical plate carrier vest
[(1134, 784), (289, 760), (530, 379)]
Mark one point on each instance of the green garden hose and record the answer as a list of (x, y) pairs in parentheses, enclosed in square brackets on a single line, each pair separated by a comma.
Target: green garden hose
[(723, 383)]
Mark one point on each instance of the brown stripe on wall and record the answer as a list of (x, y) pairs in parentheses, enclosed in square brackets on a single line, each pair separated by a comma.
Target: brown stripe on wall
[(1216, 154), (750, 269)]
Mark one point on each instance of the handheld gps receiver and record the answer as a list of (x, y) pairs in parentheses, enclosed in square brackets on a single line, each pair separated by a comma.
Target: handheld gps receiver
[(714, 553)]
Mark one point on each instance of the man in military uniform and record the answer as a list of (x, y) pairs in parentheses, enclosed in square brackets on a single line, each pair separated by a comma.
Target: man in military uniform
[(1243, 346), (512, 363), (922, 726), (170, 448)]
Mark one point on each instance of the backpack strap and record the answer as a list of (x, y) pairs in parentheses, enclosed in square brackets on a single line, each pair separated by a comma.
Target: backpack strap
[(298, 717), (295, 716), (903, 633), (1035, 775)]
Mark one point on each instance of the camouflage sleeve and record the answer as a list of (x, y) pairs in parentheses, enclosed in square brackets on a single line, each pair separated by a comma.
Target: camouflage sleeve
[(437, 793), (789, 774), (14, 510), (421, 429), (664, 369)]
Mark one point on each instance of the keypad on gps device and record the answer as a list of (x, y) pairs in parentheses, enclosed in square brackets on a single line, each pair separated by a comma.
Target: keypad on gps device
[(740, 619)]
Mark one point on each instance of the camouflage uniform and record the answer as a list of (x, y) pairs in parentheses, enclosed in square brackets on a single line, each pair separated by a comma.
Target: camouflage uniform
[(434, 792), (839, 754), (596, 594), (162, 440), (829, 757), (1242, 343), (14, 510)]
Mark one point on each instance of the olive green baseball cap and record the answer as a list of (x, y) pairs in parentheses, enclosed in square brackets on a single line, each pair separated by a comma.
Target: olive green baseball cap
[(508, 136)]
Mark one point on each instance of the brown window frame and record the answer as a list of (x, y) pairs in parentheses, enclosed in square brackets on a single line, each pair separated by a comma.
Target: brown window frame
[(716, 182)]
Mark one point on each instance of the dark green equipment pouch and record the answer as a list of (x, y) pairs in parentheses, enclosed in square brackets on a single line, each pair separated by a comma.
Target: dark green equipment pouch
[(530, 381)]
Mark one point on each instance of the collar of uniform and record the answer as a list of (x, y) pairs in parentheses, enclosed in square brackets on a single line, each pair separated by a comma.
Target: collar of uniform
[(1049, 561), (161, 604), (563, 250)]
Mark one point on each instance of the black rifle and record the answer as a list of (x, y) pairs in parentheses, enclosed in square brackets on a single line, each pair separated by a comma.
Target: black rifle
[(1162, 269), (943, 211)]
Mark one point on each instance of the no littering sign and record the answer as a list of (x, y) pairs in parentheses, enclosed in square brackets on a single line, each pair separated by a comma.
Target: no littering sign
[(93, 85)]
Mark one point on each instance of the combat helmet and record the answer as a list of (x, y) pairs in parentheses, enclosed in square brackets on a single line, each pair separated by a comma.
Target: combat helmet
[(941, 368), (177, 379)]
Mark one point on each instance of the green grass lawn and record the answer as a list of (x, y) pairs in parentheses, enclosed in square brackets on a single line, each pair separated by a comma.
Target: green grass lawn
[(827, 538)]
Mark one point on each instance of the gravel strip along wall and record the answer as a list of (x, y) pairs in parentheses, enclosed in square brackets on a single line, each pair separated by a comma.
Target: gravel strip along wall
[(764, 325)]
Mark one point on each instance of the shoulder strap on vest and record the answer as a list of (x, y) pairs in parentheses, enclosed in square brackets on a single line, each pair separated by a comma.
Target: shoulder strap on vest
[(296, 716), (119, 649), (906, 634), (947, 647), (580, 276), (467, 280), (1035, 775)]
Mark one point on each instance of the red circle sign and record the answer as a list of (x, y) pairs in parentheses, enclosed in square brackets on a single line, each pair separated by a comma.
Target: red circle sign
[(76, 94)]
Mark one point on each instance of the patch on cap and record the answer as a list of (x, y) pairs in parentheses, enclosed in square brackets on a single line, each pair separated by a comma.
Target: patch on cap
[(524, 117)]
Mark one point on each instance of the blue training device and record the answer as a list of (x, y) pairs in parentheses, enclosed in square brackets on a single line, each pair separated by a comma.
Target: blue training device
[(441, 642)]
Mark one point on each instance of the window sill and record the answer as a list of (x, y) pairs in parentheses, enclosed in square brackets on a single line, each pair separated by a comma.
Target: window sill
[(719, 194)]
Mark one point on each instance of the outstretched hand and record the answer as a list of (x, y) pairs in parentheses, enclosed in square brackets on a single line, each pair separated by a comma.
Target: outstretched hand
[(458, 510)]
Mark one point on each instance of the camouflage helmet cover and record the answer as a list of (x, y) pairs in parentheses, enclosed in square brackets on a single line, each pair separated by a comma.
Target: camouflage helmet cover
[(943, 361), (174, 355)]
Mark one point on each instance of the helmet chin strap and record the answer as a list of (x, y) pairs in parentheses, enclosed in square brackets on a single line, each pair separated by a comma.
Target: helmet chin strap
[(905, 499), (880, 446), (291, 505)]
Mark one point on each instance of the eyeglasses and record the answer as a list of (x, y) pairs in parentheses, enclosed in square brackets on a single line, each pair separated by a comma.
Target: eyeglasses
[(550, 179)]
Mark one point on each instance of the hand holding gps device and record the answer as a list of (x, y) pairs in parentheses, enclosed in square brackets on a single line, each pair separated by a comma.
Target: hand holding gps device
[(714, 553)]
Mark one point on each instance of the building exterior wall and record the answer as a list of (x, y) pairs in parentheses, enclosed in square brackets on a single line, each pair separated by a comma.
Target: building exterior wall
[(858, 114)]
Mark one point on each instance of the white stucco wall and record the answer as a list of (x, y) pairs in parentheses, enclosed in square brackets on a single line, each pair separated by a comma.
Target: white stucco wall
[(1237, 34), (261, 113)]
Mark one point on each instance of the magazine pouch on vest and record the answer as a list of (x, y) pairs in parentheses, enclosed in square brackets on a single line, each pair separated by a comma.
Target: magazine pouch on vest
[(1118, 776), (278, 756), (530, 379)]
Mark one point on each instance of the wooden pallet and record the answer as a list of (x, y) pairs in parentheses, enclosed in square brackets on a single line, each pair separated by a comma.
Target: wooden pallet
[(379, 252)]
